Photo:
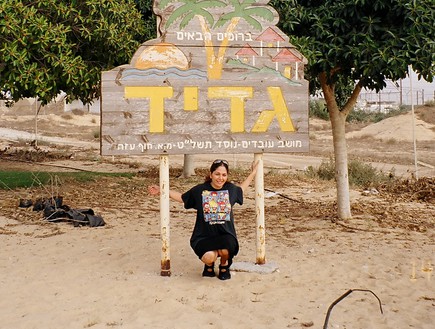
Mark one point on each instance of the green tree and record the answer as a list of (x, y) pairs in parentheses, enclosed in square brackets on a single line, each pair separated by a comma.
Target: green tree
[(361, 43), (50, 46), (148, 18)]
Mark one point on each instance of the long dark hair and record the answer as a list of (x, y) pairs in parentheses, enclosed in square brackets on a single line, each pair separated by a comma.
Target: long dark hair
[(216, 164)]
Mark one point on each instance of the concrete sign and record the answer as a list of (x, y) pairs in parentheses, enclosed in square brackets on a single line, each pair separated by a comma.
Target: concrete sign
[(221, 78)]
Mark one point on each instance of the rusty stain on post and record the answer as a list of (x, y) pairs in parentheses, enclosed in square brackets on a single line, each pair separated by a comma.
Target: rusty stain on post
[(165, 268), (259, 206), (164, 216), (261, 244)]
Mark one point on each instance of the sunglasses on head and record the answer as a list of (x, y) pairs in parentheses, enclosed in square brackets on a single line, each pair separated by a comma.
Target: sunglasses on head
[(225, 162)]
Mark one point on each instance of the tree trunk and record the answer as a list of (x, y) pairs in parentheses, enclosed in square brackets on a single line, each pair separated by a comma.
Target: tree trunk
[(338, 124), (188, 166)]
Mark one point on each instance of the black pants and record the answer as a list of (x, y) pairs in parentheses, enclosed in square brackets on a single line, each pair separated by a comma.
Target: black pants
[(226, 241)]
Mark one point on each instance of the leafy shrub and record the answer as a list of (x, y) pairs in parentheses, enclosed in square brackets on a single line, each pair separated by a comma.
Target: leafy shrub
[(318, 110), (361, 115), (96, 134), (365, 175), (360, 174), (430, 103)]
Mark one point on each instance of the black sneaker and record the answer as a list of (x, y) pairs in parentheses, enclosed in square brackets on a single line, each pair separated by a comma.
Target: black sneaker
[(224, 272), (208, 271)]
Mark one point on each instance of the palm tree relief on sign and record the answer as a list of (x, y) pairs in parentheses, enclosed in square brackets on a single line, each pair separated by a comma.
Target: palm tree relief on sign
[(220, 78)]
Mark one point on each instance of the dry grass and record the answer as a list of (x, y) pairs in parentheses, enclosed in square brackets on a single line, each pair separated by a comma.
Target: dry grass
[(391, 141), (70, 116), (67, 116), (426, 113), (363, 138), (78, 112)]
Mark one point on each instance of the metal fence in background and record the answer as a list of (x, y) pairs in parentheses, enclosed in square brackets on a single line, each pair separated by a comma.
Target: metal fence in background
[(394, 96)]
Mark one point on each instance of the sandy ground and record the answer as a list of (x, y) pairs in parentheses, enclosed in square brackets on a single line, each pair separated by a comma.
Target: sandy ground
[(54, 275)]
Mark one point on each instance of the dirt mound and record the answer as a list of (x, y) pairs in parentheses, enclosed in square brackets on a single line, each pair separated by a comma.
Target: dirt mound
[(400, 128)]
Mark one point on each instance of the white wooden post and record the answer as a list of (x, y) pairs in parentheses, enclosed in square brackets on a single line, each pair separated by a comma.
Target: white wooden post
[(164, 216), (259, 207), (413, 123)]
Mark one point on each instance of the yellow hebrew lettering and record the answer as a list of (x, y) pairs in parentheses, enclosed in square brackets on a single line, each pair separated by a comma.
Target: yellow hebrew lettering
[(237, 106), (157, 97), (190, 98), (280, 111)]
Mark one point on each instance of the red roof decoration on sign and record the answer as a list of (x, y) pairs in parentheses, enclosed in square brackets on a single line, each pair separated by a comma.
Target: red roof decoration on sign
[(269, 35), (247, 51), (286, 56)]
